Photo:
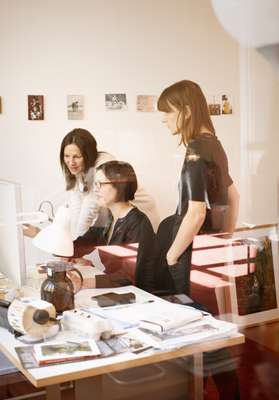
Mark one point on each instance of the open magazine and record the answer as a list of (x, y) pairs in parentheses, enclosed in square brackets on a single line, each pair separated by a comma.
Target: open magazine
[(53, 352), (154, 316), (165, 319)]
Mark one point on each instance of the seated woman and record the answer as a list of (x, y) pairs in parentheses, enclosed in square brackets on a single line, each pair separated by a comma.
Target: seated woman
[(115, 187)]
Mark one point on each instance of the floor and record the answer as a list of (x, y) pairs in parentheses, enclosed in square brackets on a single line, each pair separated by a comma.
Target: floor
[(257, 367)]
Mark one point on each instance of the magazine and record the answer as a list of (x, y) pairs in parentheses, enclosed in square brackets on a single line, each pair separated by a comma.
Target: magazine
[(208, 328), (166, 319), (128, 342), (53, 352)]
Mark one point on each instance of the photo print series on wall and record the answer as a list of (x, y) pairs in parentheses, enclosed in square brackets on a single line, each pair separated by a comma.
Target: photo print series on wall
[(220, 104)]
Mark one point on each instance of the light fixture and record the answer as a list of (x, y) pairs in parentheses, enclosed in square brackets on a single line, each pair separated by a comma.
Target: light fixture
[(56, 238)]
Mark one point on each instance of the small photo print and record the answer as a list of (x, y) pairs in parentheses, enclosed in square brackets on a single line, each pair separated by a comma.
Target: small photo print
[(214, 109), (0, 105), (116, 101), (75, 106), (226, 104), (214, 106), (35, 107), (146, 103)]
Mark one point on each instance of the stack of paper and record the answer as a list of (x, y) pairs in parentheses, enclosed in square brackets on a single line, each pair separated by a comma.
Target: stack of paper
[(206, 328)]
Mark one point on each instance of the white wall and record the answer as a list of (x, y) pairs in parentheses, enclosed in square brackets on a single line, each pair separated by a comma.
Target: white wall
[(259, 85), (91, 47)]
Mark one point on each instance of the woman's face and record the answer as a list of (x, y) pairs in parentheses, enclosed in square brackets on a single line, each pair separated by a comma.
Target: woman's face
[(171, 120), (105, 192), (73, 159)]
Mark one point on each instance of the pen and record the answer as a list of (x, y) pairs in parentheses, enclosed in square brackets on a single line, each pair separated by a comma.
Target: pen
[(138, 351), (126, 305)]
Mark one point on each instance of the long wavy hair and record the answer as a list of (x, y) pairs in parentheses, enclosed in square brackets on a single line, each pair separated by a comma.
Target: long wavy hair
[(180, 95), (87, 145)]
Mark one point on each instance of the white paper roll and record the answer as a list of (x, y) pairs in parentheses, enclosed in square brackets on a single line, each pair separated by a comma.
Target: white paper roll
[(21, 313)]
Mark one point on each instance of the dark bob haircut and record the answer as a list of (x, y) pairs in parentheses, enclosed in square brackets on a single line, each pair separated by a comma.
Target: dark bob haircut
[(87, 145), (122, 177)]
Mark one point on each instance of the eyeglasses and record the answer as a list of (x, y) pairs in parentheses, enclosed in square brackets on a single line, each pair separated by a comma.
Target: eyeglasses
[(99, 184)]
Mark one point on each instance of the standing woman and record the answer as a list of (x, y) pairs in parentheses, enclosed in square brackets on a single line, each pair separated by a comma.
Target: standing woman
[(208, 203), (208, 199)]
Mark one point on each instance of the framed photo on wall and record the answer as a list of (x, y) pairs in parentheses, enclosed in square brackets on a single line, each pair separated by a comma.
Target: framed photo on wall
[(254, 279), (0, 105), (75, 106), (146, 103), (116, 101), (35, 107)]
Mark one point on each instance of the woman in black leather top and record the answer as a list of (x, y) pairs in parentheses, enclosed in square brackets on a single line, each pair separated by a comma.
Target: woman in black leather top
[(208, 199), (208, 202)]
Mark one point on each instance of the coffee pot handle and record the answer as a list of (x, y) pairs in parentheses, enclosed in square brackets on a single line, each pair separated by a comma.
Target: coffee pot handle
[(79, 286)]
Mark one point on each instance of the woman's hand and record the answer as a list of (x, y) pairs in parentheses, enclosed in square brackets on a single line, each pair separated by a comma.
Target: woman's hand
[(83, 262), (171, 259), (30, 230), (80, 261)]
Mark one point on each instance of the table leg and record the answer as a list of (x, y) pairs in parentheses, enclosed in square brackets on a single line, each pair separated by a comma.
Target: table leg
[(53, 392), (198, 376), (89, 388)]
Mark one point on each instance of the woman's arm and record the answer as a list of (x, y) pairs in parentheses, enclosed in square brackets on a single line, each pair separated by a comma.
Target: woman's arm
[(87, 243), (189, 227), (233, 206)]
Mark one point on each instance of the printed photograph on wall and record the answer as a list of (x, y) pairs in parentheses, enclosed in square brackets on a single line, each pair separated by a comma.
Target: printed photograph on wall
[(214, 105), (226, 104), (146, 103), (35, 107), (0, 105), (116, 101), (75, 106)]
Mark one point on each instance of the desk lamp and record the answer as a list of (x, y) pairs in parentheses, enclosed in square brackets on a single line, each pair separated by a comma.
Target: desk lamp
[(56, 239)]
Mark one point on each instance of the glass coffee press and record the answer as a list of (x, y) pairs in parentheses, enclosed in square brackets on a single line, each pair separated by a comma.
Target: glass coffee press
[(58, 288)]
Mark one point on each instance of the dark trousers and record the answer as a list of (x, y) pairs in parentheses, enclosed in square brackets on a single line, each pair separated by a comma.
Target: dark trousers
[(176, 280)]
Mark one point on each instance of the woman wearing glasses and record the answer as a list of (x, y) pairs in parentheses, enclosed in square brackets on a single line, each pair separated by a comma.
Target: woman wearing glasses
[(115, 188)]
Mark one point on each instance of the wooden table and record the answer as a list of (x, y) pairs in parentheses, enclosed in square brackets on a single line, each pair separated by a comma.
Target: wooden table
[(87, 374)]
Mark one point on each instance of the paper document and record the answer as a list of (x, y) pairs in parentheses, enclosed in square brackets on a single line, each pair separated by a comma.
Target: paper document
[(205, 329)]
